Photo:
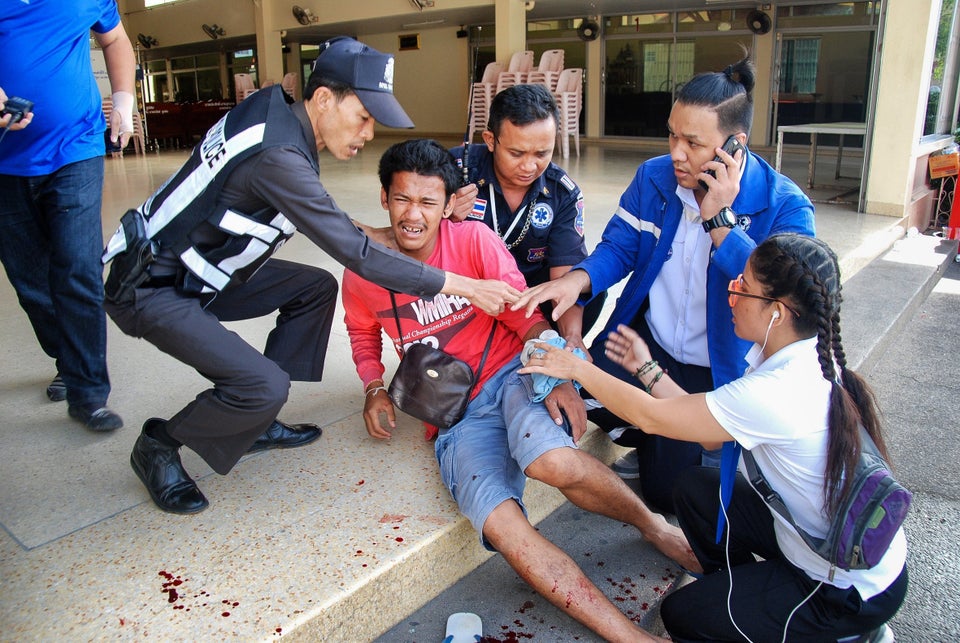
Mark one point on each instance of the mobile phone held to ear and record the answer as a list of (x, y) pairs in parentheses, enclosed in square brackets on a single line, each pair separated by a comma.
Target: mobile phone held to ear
[(730, 146)]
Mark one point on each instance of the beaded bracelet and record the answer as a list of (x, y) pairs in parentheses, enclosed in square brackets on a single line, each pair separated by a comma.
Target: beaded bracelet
[(645, 368), (649, 387)]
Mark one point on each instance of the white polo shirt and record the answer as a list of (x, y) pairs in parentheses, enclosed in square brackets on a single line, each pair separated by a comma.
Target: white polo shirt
[(779, 410)]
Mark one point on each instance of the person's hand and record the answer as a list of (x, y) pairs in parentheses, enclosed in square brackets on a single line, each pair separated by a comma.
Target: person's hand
[(563, 292), (377, 404), (625, 347), (466, 196), (492, 295), (725, 187), (383, 236), (5, 121), (565, 400), (121, 119), (489, 295), (555, 362), (576, 341)]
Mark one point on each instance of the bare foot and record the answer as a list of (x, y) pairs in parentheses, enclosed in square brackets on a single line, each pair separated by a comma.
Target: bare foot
[(671, 542)]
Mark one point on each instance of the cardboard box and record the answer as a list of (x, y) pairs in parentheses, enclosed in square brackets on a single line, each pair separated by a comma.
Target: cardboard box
[(942, 165)]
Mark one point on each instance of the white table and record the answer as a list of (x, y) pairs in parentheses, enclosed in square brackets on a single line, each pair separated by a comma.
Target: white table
[(813, 129)]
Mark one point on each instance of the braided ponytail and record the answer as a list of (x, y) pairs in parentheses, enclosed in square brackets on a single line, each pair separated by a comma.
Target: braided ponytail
[(805, 271)]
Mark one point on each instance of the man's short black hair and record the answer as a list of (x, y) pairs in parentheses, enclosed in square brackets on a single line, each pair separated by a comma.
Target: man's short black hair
[(729, 93), (338, 89), (422, 156), (522, 105)]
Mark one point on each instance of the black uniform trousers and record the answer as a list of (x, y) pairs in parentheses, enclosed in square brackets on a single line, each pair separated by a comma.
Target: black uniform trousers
[(765, 591), (661, 459), (249, 387)]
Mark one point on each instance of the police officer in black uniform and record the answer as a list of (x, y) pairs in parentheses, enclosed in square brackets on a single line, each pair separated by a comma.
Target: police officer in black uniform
[(197, 253), (529, 201)]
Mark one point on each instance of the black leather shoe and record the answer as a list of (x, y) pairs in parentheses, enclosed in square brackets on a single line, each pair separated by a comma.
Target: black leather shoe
[(158, 467), (286, 436)]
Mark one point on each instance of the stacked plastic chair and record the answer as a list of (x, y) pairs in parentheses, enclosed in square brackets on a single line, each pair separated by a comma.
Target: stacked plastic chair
[(481, 97), (548, 70), (244, 85), (139, 140), (569, 97), (289, 83), (521, 64)]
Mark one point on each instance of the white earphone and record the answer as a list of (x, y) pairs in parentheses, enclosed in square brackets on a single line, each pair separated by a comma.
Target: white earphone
[(776, 314)]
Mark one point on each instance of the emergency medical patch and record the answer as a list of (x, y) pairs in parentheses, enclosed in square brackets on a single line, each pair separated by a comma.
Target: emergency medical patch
[(479, 208), (578, 221), (568, 183), (536, 255), (542, 216)]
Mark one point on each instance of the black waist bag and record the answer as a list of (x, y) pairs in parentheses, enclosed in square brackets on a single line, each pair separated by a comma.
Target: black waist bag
[(129, 269), (431, 385)]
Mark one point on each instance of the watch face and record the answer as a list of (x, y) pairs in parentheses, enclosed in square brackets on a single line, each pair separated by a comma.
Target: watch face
[(726, 217)]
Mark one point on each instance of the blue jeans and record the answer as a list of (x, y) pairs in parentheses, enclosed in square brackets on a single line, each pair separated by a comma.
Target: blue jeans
[(483, 457), (50, 245)]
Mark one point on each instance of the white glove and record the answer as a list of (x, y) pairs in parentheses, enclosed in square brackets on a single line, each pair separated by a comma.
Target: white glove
[(121, 120)]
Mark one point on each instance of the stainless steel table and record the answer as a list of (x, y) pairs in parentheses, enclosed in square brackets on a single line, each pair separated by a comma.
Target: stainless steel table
[(813, 129)]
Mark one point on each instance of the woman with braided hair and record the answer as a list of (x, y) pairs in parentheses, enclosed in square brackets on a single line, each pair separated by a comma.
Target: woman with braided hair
[(797, 409)]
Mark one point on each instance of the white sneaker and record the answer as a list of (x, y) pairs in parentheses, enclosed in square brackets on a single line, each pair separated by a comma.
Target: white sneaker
[(883, 635), (880, 635), (627, 466)]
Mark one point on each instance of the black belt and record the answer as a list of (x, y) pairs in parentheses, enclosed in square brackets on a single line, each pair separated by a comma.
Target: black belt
[(161, 281)]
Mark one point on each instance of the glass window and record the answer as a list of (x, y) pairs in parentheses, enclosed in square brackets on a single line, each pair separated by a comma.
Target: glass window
[(208, 84), (643, 74), (185, 86), (798, 69), (940, 108), (834, 14), (707, 21), (208, 60), (823, 79), (185, 62), (639, 23)]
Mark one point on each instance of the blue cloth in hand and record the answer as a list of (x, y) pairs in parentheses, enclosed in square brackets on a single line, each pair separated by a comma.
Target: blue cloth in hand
[(543, 384)]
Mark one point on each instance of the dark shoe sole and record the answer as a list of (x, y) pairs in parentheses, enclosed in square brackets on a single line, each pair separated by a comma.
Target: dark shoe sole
[(172, 510)]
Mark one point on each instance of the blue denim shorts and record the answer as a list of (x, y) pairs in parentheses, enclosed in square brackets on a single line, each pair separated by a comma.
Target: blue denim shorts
[(483, 457)]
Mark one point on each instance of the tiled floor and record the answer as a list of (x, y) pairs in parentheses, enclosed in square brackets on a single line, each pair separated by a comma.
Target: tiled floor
[(85, 555)]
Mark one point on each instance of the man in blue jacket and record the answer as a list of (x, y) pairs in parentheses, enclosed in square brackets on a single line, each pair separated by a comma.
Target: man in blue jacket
[(684, 228)]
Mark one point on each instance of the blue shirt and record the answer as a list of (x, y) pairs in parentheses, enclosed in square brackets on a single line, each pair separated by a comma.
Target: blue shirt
[(638, 241), (549, 229), (45, 49)]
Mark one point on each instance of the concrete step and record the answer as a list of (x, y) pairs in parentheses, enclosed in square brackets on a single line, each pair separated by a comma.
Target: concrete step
[(879, 300)]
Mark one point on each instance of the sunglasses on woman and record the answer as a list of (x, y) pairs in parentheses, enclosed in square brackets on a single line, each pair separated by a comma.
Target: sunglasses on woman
[(735, 290)]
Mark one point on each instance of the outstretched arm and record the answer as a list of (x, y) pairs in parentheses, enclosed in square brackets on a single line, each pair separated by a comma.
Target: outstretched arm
[(563, 292), (489, 295), (121, 70), (686, 417)]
